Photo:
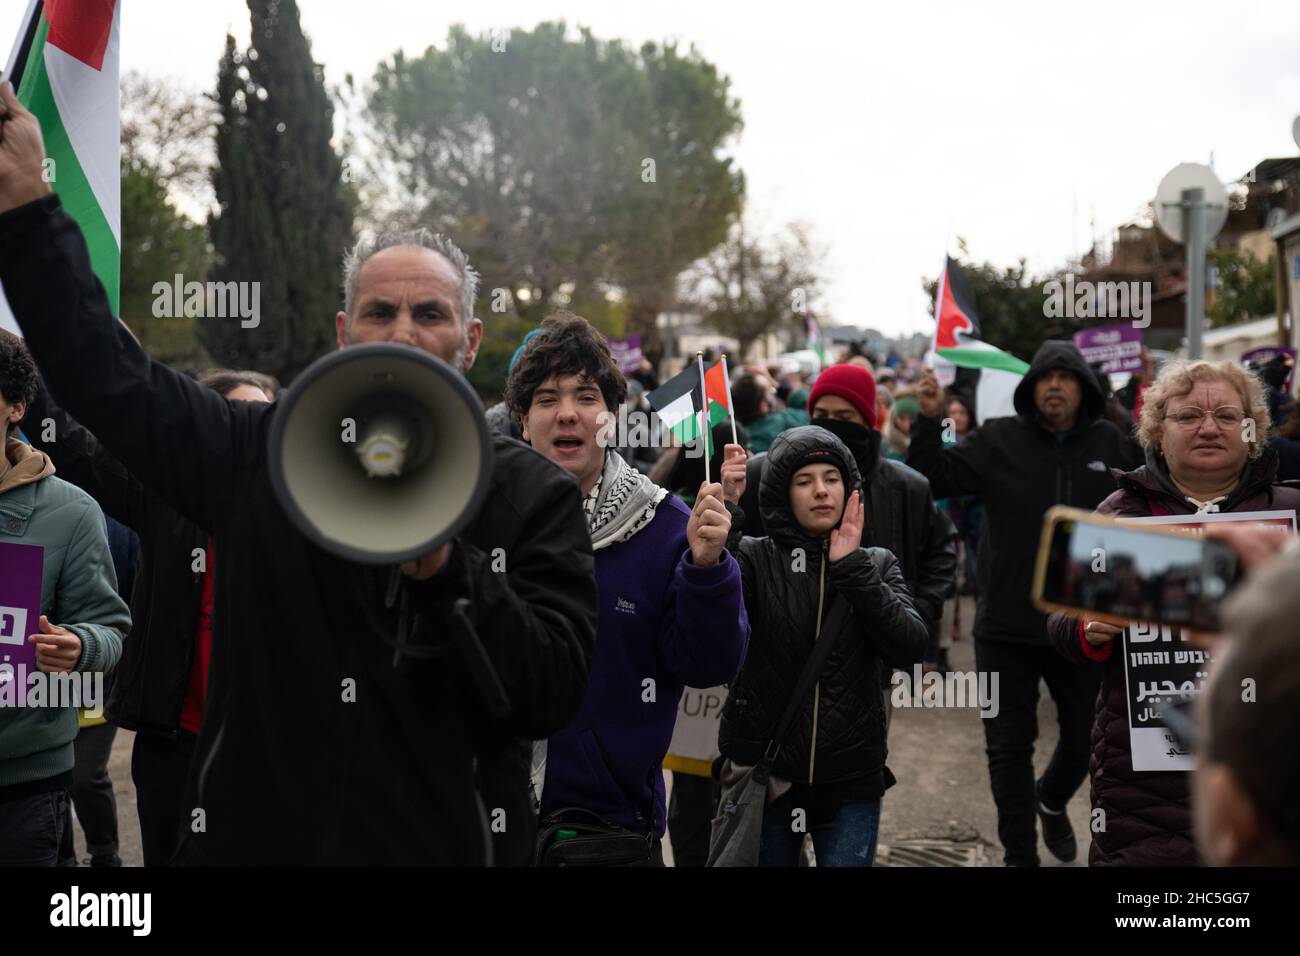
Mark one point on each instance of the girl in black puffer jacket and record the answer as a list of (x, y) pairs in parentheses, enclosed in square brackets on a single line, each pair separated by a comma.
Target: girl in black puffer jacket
[(830, 774)]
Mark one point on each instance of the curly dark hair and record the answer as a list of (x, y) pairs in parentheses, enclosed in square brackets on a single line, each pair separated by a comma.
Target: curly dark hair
[(18, 380), (566, 344)]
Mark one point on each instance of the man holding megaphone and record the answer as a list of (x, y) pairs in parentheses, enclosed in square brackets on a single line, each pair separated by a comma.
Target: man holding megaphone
[(357, 714)]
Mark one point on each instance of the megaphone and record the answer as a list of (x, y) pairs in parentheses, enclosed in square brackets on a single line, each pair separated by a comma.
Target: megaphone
[(380, 453)]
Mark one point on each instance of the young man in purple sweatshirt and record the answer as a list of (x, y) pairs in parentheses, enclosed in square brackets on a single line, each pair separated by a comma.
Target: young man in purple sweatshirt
[(669, 599)]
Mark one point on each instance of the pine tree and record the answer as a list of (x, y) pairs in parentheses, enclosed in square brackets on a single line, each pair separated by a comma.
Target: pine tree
[(285, 215)]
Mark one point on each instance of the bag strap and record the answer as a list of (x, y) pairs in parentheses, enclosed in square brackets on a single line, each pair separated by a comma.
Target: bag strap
[(839, 609)]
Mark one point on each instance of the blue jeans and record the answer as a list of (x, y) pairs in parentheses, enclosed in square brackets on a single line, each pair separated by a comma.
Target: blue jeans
[(848, 840)]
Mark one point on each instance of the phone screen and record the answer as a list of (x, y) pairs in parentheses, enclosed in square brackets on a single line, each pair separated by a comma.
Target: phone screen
[(1137, 574)]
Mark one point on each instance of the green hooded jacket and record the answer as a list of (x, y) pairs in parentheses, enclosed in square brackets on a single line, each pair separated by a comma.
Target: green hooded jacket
[(78, 592)]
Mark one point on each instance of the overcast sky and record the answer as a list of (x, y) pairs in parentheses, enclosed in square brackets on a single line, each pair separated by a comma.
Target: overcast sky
[(889, 129)]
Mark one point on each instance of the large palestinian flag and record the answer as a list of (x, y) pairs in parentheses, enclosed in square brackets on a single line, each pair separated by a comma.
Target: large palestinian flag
[(993, 373), (64, 67)]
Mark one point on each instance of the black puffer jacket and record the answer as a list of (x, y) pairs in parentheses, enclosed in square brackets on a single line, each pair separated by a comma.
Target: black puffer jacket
[(1019, 469), (901, 517), (1148, 813), (840, 733)]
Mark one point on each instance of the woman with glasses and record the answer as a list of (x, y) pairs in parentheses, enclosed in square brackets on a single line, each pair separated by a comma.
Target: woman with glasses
[(1204, 428)]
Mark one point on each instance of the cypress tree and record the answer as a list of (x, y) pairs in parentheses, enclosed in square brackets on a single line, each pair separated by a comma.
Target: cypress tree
[(284, 214)]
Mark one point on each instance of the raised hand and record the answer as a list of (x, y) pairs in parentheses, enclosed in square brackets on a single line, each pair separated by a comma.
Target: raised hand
[(848, 536), (427, 565), (22, 153), (929, 394), (706, 531), (733, 473)]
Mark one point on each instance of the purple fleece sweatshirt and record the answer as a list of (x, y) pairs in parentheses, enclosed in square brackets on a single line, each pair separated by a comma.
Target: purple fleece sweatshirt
[(661, 618)]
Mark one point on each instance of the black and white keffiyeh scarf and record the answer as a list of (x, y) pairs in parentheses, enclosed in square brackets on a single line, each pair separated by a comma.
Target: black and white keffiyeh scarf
[(621, 504)]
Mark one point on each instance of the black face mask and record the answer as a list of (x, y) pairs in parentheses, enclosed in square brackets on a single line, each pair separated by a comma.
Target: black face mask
[(856, 437)]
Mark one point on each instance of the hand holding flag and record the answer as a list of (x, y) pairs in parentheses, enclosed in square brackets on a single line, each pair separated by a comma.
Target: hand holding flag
[(708, 526), (733, 473), (929, 395), (21, 153)]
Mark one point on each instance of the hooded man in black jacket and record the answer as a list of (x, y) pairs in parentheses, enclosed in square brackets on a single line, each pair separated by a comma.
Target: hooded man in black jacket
[(1057, 450), (316, 748)]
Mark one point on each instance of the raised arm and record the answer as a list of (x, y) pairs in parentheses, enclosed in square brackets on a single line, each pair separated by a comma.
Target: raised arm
[(79, 458), (180, 440), (954, 470)]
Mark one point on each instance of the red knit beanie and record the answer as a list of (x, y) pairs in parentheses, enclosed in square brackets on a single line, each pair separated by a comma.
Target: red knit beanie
[(853, 383)]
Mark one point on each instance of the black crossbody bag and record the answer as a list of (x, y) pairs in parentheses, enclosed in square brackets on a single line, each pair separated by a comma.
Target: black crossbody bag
[(735, 835), (594, 841)]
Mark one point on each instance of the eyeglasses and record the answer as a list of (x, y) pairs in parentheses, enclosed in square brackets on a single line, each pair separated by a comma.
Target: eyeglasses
[(1191, 416)]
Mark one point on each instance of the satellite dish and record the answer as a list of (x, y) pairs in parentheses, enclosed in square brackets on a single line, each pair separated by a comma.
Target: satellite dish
[(1169, 196), (1295, 131)]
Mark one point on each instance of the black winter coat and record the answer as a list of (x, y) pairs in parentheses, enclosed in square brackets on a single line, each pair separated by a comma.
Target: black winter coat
[(153, 675), (1148, 813), (316, 749), (840, 732), (1019, 469), (901, 518)]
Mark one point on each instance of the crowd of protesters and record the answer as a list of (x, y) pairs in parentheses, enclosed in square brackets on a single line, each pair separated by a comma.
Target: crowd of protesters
[(829, 526)]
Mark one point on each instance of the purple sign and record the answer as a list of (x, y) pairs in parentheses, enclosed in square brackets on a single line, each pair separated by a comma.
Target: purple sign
[(627, 353), (21, 566), (1117, 347), (1266, 353)]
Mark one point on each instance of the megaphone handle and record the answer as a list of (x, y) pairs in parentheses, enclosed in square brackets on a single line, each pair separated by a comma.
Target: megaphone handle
[(485, 675)]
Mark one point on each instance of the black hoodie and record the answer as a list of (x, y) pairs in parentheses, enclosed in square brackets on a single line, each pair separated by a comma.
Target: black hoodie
[(790, 588), (1019, 468)]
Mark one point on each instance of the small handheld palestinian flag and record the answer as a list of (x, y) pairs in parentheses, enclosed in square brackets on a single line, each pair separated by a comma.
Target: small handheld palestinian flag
[(679, 402)]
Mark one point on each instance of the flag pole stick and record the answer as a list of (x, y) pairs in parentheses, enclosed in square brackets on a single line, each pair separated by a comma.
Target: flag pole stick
[(704, 406), (726, 376)]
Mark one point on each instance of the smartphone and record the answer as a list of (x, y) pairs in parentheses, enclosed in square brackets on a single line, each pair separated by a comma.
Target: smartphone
[(1119, 573)]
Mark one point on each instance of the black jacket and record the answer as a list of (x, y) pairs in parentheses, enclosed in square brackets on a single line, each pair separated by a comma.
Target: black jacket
[(840, 732), (1019, 469), (316, 749), (901, 517), (153, 675)]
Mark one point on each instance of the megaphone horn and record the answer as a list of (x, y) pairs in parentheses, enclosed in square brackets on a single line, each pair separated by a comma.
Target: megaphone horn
[(380, 453)]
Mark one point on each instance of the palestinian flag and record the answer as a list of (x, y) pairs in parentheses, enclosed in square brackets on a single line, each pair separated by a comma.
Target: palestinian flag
[(815, 338), (989, 372), (680, 401), (64, 67)]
